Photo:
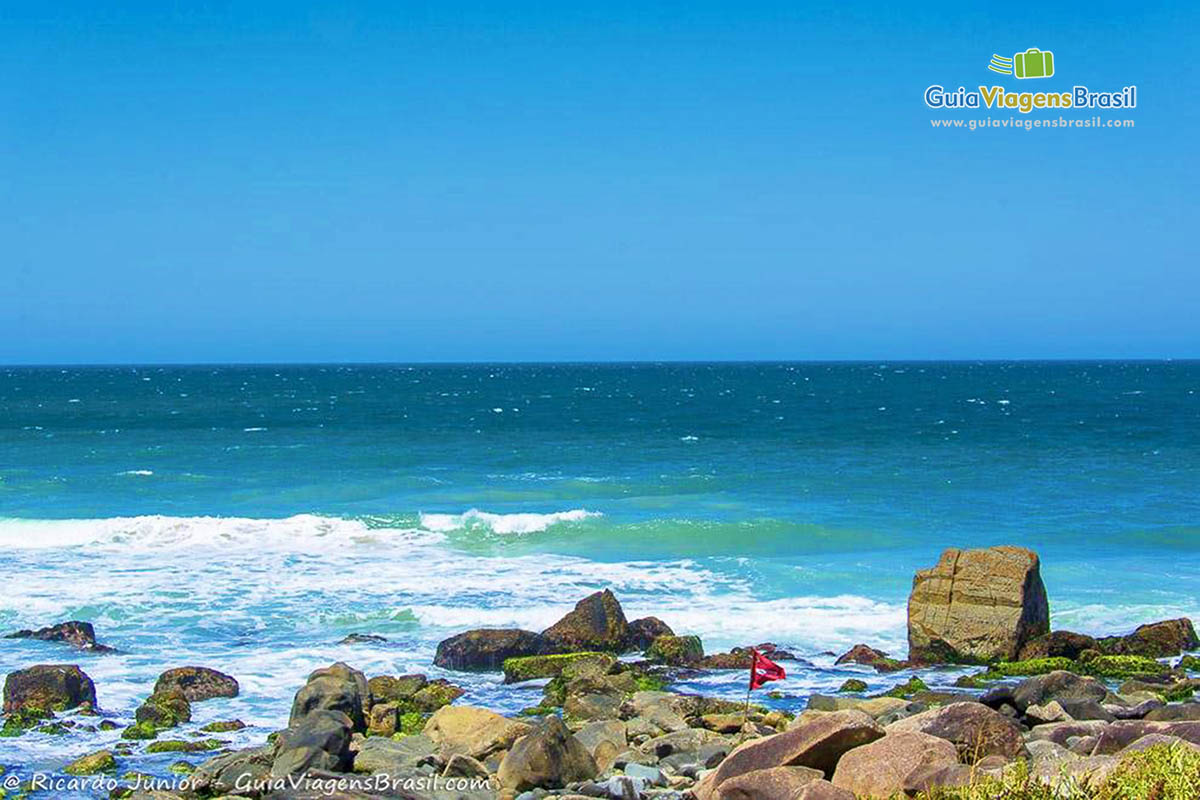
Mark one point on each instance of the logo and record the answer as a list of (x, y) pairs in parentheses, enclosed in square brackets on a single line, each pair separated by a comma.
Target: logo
[(1033, 63)]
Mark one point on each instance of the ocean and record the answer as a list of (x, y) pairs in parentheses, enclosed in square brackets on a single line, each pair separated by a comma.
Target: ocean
[(248, 518)]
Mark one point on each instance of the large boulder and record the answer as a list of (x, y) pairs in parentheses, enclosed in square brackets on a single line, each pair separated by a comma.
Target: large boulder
[(976, 606), (548, 757), (475, 732), (776, 783), (48, 687), (80, 635), (976, 730), (642, 632), (1156, 640), (818, 744), (596, 623), (320, 740), (338, 687), (485, 649), (1057, 644), (884, 767), (197, 683)]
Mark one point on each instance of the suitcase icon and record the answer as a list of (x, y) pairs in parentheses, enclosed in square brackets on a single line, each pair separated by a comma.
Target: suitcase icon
[(1033, 63)]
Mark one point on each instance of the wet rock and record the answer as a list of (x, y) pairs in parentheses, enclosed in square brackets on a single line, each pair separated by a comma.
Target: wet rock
[(977, 605), (165, 709), (678, 651), (485, 649), (642, 632), (197, 683), (870, 657), (338, 687), (596, 623), (550, 666), (547, 757), (363, 638), (1057, 644), (882, 768), (318, 740), (223, 726), (976, 730), (1156, 640), (776, 783), (80, 635), (92, 764), (817, 744), (475, 732), (46, 688)]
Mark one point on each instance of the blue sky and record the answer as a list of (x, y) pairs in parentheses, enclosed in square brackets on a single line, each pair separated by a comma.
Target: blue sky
[(506, 181)]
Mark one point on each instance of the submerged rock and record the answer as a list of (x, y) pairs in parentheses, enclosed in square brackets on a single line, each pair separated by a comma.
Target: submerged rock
[(596, 623), (976, 606), (485, 649), (80, 635), (48, 687), (197, 683)]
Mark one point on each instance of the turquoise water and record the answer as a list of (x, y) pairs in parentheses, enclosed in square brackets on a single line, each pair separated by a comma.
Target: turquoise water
[(248, 518)]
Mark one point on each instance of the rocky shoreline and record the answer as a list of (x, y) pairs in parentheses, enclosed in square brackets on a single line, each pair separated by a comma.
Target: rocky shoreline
[(1040, 708)]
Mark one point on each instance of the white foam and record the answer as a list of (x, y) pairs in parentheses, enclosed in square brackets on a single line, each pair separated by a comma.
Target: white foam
[(502, 523), (141, 472)]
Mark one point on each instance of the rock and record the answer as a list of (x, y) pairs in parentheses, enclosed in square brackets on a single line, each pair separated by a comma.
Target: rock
[(592, 698), (225, 773), (485, 649), (976, 606), (1058, 685), (1155, 739), (853, 685), (80, 635), (463, 766), (338, 687), (642, 632), (1060, 732), (395, 688), (817, 744), (578, 664), (435, 694), (869, 656), (623, 787), (383, 719), (653, 776), (1156, 640), (684, 740), (165, 709), (876, 707), (91, 764), (1119, 735), (197, 683), (363, 638), (723, 723), (318, 740), (547, 757), (976, 730), (395, 756), (882, 768), (1084, 709), (823, 790), (475, 732), (776, 783), (1051, 712), (734, 659), (605, 740), (46, 688), (677, 651), (223, 726), (1181, 712), (596, 623), (1056, 644)]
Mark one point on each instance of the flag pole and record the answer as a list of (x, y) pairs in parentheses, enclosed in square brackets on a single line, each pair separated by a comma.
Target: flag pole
[(746, 708)]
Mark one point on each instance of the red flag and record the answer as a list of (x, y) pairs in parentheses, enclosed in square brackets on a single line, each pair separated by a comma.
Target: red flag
[(763, 670)]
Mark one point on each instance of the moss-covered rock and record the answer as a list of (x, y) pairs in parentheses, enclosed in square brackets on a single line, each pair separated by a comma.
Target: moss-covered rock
[(224, 726), (23, 720), (395, 688), (676, 650), (409, 724), (436, 694), (140, 730), (165, 709), (48, 687), (92, 764), (907, 689), (853, 685), (534, 667), (1121, 666), (181, 746), (1030, 666)]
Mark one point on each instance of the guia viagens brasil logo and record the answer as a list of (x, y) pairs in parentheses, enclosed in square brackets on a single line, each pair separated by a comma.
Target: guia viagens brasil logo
[(1027, 64)]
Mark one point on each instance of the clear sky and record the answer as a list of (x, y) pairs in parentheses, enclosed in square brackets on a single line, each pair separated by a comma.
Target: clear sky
[(560, 181)]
